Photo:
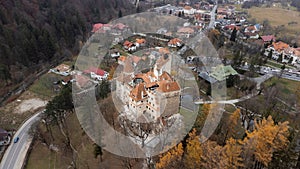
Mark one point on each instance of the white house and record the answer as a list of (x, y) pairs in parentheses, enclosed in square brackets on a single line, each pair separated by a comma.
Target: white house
[(189, 10)]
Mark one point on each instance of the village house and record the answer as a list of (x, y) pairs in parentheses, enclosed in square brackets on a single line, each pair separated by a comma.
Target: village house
[(66, 80), (185, 32), (62, 69), (101, 28), (268, 38), (283, 50), (251, 35), (253, 29), (129, 46), (96, 73), (173, 43), (139, 42), (188, 10)]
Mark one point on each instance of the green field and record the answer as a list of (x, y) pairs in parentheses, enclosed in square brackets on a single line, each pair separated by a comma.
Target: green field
[(44, 87), (288, 87)]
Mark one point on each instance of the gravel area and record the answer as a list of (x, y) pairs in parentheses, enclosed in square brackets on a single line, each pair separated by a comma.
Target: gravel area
[(31, 104)]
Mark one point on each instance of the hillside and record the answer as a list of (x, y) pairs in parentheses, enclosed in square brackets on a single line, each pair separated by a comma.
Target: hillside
[(35, 34)]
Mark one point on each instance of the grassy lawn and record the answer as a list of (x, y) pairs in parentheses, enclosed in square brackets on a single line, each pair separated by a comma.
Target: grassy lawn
[(274, 64), (289, 86), (44, 85), (233, 93), (42, 157), (189, 118), (50, 159)]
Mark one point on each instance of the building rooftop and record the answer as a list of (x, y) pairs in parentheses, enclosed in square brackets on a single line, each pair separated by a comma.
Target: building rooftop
[(221, 72)]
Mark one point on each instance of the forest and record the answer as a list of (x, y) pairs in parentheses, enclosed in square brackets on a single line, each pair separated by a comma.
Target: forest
[(37, 34)]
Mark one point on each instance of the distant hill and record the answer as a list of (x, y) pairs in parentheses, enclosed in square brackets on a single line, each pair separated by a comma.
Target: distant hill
[(37, 33)]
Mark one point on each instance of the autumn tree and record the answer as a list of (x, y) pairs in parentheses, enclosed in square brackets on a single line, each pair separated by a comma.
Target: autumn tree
[(216, 38), (266, 139), (212, 156), (200, 120), (171, 159), (192, 157), (232, 154), (231, 124)]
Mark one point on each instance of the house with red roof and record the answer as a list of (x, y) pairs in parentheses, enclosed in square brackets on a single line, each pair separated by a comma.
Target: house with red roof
[(129, 46), (188, 10), (140, 42), (176, 42), (268, 38), (96, 73), (100, 26), (120, 26)]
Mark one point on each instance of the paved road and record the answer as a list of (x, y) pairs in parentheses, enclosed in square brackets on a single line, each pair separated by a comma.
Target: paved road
[(233, 101), (15, 154), (213, 17)]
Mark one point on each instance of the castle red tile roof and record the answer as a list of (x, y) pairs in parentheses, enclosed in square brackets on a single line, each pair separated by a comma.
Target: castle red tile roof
[(138, 93), (168, 86), (151, 84), (165, 76), (144, 77)]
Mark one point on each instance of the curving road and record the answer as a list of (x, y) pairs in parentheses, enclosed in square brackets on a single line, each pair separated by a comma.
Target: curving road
[(15, 154)]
